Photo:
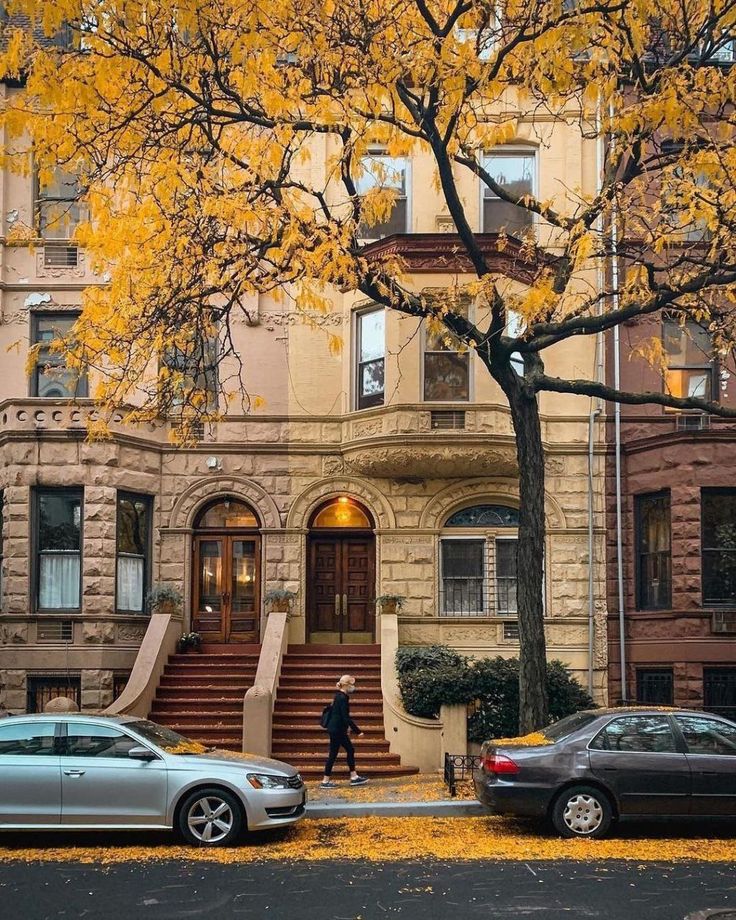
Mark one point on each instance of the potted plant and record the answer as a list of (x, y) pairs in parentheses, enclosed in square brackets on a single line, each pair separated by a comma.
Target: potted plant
[(164, 599), (390, 603), (279, 599), (189, 640)]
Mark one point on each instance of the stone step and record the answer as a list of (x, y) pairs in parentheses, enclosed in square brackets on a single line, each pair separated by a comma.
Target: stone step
[(209, 677), (190, 693), (299, 709), (286, 748), (341, 772), (308, 685)]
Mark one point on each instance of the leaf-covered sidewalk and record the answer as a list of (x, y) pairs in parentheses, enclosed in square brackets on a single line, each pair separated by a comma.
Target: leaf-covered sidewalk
[(387, 839)]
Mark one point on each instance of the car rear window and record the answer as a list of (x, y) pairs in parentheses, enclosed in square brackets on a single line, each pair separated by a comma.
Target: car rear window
[(559, 730)]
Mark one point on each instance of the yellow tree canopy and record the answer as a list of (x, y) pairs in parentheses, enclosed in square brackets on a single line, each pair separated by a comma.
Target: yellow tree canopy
[(193, 124)]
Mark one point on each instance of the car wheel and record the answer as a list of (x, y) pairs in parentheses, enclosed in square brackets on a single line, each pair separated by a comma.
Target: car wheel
[(582, 811), (211, 818)]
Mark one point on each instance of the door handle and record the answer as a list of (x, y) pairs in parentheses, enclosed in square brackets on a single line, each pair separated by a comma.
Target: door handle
[(74, 772), (337, 605), (344, 605)]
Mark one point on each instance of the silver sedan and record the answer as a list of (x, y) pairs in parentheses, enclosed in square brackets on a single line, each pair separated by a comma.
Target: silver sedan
[(72, 772)]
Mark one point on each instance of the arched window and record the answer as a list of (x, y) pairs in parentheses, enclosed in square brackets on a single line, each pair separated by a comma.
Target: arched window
[(226, 514), (342, 512), (478, 562)]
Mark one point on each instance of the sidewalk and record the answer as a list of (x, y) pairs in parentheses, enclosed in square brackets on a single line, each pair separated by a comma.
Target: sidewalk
[(421, 795)]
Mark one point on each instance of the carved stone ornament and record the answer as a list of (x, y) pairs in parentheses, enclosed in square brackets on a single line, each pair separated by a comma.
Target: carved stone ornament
[(434, 462), (131, 632)]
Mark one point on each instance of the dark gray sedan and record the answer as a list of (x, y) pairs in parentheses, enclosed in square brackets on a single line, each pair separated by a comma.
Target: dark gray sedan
[(596, 766)]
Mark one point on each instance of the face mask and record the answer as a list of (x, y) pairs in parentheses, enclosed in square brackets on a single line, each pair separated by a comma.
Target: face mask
[(350, 689)]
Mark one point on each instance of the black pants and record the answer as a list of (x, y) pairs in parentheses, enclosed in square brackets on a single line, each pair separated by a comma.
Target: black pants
[(336, 742)]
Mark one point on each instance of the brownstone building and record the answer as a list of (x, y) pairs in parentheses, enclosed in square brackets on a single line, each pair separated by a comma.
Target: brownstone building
[(677, 526)]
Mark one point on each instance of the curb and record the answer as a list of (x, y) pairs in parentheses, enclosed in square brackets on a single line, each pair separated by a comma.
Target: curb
[(442, 808)]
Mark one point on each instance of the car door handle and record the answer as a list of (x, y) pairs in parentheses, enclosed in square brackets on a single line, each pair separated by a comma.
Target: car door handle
[(74, 772), (708, 773)]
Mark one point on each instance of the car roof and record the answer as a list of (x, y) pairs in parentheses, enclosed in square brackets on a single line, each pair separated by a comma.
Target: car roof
[(650, 710), (73, 716)]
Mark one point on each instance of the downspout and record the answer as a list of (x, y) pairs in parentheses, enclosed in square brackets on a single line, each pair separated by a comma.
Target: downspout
[(617, 440), (595, 411)]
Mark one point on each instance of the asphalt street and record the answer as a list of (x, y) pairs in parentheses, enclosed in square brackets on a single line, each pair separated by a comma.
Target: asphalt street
[(363, 891)]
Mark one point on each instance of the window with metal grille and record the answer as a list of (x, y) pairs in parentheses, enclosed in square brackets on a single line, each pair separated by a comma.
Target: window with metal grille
[(60, 255), (653, 555), (718, 532), (41, 688), (511, 632), (55, 631), (449, 419), (655, 686), (719, 691)]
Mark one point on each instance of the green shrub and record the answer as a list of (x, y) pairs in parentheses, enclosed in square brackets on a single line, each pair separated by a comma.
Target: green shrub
[(432, 675), (411, 658)]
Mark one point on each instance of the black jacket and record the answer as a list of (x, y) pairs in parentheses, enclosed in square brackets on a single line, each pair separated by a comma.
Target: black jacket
[(340, 720)]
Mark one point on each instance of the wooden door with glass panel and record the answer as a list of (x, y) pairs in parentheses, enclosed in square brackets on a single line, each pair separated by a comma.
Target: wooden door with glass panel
[(226, 595)]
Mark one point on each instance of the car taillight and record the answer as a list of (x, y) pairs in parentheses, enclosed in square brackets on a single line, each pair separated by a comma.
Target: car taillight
[(499, 763)]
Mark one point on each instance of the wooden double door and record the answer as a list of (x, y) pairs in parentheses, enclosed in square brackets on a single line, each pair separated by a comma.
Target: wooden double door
[(341, 588), (227, 587)]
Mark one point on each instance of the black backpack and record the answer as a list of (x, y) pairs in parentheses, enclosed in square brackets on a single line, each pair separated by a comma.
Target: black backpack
[(324, 720)]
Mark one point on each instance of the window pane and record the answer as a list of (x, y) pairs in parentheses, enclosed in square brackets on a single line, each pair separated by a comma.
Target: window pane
[(719, 547), (514, 172), (653, 547), (708, 736), (372, 378), (58, 220), (719, 690), (655, 686), (62, 184), (211, 586), (54, 381), (687, 345), (484, 516), (96, 741), (462, 576), (27, 740), (381, 171), (132, 533), (506, 581), (60, 518), (49, 327), (227, 513), (446, 376), (646, 734), (58, 581), (372, 335), (685, 383), (131, 571), (244, 576)]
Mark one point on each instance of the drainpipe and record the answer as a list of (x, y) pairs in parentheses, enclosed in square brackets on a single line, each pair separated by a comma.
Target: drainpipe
[(595, 411), (617, 442)]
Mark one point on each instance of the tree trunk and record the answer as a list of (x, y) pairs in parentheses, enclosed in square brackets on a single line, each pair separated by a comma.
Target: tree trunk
[(533, 702)]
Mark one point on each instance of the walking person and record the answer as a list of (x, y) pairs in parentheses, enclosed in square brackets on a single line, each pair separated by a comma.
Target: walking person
[(337, 723)]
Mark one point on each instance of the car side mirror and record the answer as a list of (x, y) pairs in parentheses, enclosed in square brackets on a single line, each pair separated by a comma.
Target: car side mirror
[(141, 753)]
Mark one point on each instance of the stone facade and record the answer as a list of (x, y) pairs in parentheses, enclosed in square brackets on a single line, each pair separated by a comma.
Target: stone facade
[(307, 444), (657, 455)]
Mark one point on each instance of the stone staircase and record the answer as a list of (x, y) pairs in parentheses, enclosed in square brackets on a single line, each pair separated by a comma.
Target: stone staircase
[(201, 694), (307, 684)]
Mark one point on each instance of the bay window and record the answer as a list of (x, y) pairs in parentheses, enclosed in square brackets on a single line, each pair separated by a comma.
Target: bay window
[(58, 529), (133, 565)]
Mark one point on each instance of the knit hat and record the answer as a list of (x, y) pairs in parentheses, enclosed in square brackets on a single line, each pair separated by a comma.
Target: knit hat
[(344, 681)]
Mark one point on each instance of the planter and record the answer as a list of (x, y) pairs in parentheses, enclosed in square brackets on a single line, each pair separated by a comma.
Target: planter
[(167, 608), (280, 606)]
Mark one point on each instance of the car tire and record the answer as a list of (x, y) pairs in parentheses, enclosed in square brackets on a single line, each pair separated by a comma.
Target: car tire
[(211, 817), (582, 811)]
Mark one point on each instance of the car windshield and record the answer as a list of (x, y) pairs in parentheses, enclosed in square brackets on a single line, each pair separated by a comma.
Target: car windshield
[(170, 741), (559, 730)]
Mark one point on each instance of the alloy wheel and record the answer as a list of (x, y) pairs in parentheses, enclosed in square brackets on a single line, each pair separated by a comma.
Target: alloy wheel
[(210, 819), (583, 814)]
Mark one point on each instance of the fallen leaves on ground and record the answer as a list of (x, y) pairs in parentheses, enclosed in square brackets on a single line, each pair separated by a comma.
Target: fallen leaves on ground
[(380, 840), (420, 789)]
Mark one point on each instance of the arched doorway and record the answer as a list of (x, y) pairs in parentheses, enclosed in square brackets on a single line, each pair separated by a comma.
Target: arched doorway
[(227, 572), (341, 579)]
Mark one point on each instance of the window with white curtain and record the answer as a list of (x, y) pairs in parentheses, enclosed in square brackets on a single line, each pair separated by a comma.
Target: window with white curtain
[(133, 551), (59, 548)]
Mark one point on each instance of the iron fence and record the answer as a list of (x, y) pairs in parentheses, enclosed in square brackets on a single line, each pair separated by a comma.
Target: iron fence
[(459, 767)]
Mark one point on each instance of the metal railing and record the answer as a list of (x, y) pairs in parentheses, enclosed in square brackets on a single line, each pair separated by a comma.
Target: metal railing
[(459, 767)]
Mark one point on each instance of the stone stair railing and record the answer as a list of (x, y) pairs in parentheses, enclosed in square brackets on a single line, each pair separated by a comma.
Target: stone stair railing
[(423, 742), (259, 699), (159, 642)]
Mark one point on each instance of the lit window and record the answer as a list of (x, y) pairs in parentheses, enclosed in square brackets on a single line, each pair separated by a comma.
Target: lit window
[(689, 351)]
